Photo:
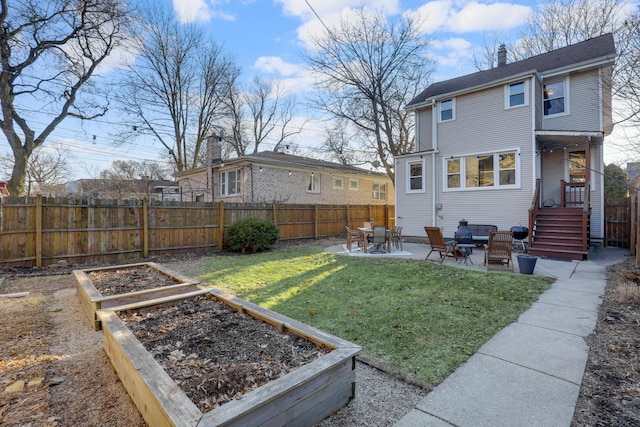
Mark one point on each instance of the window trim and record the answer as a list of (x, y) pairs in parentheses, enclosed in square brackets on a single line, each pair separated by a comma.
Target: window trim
[(352, 180), (507, 94), (565, 81), (338, 187), (423, 185), (373, 191), (225, 174), (453, 110), (496, 171)]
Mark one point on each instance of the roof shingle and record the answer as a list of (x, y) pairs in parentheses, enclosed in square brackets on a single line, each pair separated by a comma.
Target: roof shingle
[(601, 47)]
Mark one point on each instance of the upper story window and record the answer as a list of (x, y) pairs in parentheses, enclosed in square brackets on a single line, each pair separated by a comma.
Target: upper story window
[(490, 170), (313, 183), (230, 183), (554, 98), (353, 184), (379, 191), (338, 182), (415, 177), (447, 110), (516, 95)]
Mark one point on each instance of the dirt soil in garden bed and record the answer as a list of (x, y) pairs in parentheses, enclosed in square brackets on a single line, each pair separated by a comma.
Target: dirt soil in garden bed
[(45, 335), (214, 353), (125, 280)]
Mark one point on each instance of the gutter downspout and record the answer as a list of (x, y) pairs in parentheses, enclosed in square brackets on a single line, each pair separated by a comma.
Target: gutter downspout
[(434, 138)]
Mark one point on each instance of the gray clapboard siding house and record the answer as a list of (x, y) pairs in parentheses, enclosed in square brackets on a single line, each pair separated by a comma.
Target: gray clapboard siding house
[(520, 144)]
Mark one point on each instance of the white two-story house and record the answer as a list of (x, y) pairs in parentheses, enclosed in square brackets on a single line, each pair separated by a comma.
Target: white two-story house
[(520, 144)]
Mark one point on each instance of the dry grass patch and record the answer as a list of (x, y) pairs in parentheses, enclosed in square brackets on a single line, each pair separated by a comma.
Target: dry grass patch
[(24, 356)]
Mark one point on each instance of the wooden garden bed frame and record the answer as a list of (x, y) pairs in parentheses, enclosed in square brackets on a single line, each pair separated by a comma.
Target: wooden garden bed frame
[(92, 300), (302, 397)]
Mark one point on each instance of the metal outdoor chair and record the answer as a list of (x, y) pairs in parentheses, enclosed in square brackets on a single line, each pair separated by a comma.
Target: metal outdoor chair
[(500, 248), (355, 236), (438, 244), (379, 239)]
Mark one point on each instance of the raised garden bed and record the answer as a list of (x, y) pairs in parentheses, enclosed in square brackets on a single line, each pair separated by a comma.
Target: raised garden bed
[(105, 287), (182, 356)]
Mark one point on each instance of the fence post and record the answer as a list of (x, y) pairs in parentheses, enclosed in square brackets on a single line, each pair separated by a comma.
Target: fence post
[(273, 212), (38, 231), (348, 217), (145, 228), (220, 225), (315, 221)]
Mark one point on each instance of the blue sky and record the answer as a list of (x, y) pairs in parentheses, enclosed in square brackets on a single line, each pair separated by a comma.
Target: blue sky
[(267, 36)]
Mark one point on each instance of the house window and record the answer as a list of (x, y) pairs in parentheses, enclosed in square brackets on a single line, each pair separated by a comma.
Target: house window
[(446, 110), (577, 162), (353, 184), (379, 191), (490, 170), (516, 95), (230, 183), (415, 177), (453, 173), (338, 182), (479, 171), (313, 183), (554, 98), (507, 165)]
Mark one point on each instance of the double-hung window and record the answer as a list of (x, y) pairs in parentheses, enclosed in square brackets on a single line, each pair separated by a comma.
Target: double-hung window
[(478, 171), (447, 110), (313, 183), (379, 191), (230, 182), (416, 178), (554, 94), (516, 95), (353, 184)]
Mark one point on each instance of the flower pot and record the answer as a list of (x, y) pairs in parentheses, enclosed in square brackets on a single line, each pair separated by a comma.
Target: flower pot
[(526, 264)]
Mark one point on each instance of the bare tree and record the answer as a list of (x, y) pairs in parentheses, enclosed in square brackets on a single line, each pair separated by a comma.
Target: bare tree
[(176, 89), (127, 177), (261, 113), (44, 170), (369, 68), (49, 51)]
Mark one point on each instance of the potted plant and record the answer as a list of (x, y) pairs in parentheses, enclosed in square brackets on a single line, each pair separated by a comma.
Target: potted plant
[(526, 263)]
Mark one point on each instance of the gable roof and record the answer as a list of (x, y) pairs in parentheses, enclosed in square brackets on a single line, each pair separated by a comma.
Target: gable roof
[(285, 160), (586, 52)]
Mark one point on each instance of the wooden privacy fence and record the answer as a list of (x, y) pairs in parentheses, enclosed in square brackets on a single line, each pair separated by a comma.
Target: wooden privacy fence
[(40, 231), (617, 219)]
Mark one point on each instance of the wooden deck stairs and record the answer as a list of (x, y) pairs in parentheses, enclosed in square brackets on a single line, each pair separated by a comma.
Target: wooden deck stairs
[(560, 233)]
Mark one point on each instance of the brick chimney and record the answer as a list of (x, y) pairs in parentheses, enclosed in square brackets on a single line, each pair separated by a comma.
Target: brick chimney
[(214, 148), (502, 55)]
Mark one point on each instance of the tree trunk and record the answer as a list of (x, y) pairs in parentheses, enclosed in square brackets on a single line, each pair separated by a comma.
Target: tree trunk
[(16, 183)]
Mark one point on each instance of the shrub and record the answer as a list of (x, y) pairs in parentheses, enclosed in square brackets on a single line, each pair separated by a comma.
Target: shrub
[(252, 234)]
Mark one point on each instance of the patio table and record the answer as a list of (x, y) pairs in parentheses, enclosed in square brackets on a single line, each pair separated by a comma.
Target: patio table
[(369, 232)]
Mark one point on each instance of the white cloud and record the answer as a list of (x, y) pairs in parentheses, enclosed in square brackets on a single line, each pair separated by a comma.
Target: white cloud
[(447, 15), (482, 17), (192, 10), (325, 8), (275, 64)]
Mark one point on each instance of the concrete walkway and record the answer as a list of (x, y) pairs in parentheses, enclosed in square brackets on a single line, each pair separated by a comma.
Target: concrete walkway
[(529, 374)]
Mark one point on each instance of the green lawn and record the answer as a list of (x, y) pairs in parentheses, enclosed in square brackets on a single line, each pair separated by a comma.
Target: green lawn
[(423, 318)]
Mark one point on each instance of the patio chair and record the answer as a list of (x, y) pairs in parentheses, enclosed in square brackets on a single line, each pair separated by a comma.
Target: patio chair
[(396, 237), (499, 249), (379, 239), (438, 244), (355, 236)]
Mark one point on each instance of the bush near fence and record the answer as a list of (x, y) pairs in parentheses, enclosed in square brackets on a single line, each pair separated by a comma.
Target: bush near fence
[(36, 232)]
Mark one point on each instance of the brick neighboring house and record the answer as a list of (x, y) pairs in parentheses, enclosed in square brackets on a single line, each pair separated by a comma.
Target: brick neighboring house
[(520, 144), (284, 178), (152, 189)]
